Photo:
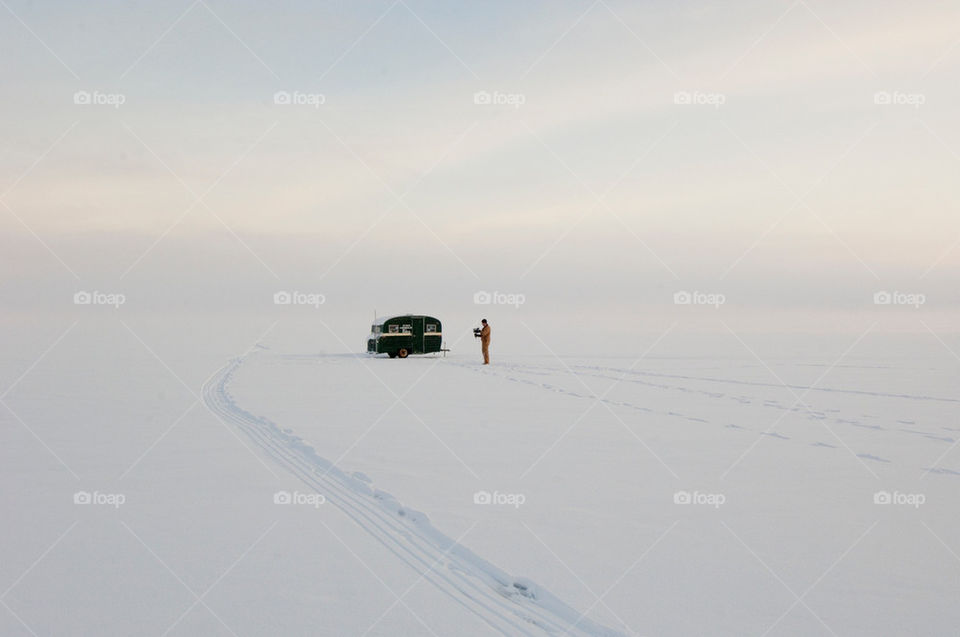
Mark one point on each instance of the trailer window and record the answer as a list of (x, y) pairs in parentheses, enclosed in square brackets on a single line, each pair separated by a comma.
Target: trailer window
[(431, 327), (407, 329), (394, 329)]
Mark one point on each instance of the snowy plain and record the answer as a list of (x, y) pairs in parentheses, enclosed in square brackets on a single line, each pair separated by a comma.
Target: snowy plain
[(723, 398), (663, 493)]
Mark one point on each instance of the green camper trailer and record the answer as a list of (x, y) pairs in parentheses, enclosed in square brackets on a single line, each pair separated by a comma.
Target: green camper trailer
[(405, 335)]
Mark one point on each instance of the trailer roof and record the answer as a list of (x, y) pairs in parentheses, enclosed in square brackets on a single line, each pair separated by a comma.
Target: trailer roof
[(380, 319)]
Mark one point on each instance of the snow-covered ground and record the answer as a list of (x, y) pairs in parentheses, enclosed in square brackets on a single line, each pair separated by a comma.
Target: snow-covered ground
[(277, 489), (717, 244)]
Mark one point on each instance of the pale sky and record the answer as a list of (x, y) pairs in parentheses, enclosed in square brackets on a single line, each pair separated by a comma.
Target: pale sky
[(788, 189)]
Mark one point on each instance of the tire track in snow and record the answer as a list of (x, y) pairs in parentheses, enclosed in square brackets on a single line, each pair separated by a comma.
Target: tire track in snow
[(732, 381), (514, 372), (509, 605)]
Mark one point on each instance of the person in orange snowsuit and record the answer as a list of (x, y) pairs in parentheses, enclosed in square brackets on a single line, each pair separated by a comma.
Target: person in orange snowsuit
[(485, 341)]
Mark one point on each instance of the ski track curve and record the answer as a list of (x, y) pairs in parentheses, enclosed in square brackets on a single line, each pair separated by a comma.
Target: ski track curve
[(509, 605)]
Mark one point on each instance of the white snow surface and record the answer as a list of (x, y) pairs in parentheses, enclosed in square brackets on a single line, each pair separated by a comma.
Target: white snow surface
[(588, 463)]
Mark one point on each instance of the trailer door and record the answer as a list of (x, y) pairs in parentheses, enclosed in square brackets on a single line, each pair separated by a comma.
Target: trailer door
[(418, 344)]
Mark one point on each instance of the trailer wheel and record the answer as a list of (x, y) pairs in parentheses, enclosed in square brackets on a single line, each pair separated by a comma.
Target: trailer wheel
[(402, 353)]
